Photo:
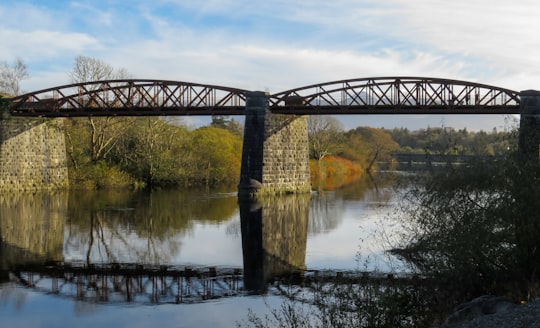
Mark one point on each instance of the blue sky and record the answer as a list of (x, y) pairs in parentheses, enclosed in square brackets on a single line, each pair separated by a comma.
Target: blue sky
[(275, 45)]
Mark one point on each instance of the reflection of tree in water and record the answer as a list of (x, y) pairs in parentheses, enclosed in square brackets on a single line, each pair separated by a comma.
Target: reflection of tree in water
[(119, 226), (326, 208), (374, 188), (325, 212)]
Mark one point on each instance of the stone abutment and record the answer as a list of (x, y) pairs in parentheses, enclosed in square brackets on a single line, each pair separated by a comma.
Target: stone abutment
[(32, 154)]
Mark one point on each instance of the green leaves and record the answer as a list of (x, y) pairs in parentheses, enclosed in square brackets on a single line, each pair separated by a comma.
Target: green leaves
[(154, 152)]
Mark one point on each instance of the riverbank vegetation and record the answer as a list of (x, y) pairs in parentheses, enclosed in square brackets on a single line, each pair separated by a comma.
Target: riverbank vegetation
[(477, 228), (150, 152), (155, 152), (465, 232)]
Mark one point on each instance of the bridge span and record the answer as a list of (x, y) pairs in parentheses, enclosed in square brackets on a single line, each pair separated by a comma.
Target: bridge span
[(381, 95), (275, 152)]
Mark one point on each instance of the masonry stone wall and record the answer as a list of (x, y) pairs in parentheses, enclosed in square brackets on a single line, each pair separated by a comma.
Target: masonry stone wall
[(286, 155), (32, 154), (275, 158)]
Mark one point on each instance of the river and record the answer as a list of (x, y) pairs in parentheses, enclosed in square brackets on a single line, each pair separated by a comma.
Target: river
[(178, 258)]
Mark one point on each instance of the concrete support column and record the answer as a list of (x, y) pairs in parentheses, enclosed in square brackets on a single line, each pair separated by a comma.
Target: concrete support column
[(529, 129), (275, 156)]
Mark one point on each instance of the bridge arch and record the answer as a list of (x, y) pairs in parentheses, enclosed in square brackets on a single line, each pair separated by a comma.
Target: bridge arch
[(130, 98), (397, 95)]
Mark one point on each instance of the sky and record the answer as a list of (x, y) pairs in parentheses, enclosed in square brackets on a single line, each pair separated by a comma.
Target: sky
[(276, 45)]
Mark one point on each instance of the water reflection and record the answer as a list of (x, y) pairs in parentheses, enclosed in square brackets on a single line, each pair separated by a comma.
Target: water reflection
[(131, 283), (165, 234), (31, 229), (326, 212), (274, 237), (114, 226), (112, 245)]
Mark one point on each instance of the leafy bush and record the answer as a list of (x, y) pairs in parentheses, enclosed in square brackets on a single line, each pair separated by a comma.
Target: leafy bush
[(477, 228), (100, 175), (333, 172)]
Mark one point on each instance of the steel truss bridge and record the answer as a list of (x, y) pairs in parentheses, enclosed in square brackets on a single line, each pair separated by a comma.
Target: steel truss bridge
[(380, 95)]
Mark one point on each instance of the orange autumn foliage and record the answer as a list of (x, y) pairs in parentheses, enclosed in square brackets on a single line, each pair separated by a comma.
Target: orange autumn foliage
[(333, 172)]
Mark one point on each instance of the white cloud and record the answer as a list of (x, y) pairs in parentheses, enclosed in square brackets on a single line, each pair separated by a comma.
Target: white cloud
[(277, 45), (499, 36), (38, 44)]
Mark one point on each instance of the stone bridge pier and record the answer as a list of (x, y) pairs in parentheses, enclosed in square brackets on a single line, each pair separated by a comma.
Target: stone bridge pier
[(529, 128), (32, 154), (275, 156)]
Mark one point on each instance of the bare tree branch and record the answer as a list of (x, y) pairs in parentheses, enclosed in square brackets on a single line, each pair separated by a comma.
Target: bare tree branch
[(11, 76), (105, 131), (323, 133)]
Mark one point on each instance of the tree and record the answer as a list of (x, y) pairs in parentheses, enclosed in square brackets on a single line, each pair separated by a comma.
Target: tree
[(218, 155), (155, 151), (477, 226), (376, 144), (324, 133), (104, 131), (223, 122), (11, 76), (87, 69)]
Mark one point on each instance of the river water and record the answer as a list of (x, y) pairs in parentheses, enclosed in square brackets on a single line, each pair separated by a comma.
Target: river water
[(178, 258)]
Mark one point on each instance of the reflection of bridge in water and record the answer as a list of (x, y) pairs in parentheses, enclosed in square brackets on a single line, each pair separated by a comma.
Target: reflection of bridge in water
[(148, 284), (138, 283), (34, 237), (33, 254)]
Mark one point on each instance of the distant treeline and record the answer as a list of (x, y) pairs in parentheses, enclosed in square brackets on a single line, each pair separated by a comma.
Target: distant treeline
[(448, 141)]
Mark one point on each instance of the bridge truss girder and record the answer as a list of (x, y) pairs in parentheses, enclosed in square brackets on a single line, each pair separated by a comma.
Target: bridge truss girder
[(130, 98), (380, 95), (397, 95)]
